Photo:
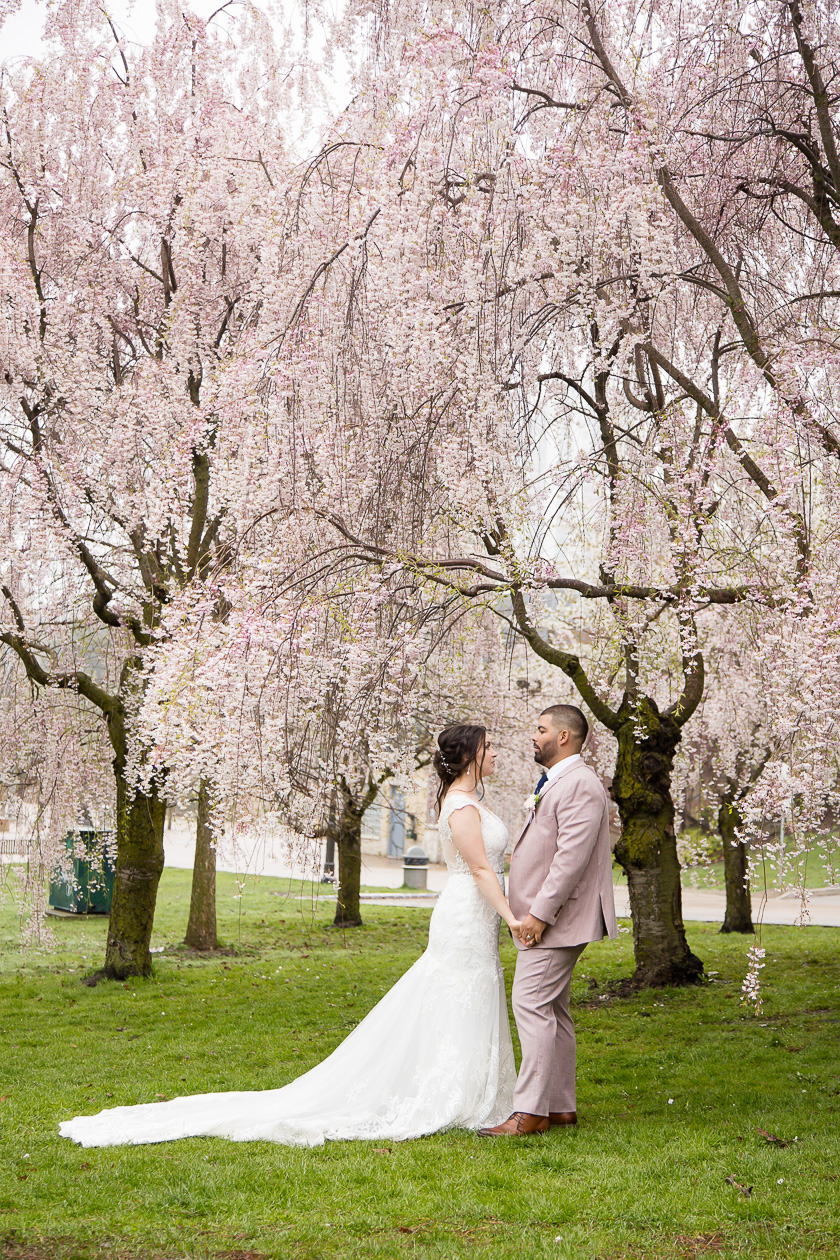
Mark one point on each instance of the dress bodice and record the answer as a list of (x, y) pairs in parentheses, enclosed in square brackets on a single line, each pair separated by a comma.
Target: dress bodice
[(493, 830)]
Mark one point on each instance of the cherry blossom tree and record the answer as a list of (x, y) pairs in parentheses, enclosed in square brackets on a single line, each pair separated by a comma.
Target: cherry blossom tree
[(729, 744), (558, 322), (799, 785), (510, 279), (743, 122), (514, 315), (135, 186), (789, 815)]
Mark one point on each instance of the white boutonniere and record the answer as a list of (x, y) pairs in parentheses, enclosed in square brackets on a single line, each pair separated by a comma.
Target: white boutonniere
[(531, 802)]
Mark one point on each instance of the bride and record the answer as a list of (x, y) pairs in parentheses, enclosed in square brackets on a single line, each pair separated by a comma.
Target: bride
[(434, 1054)]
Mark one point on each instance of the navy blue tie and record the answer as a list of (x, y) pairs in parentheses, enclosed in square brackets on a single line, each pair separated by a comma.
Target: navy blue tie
[(541, 785)]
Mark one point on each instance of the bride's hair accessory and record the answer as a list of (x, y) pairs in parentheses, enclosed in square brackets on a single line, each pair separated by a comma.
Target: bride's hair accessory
[(458, 747)]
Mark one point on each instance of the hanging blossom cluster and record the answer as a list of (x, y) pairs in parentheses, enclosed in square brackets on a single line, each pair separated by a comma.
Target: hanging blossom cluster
[(798, 791), (751, 987), (276, 702)]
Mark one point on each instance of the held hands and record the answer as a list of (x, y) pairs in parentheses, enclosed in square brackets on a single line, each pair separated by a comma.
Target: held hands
[(530, 931)]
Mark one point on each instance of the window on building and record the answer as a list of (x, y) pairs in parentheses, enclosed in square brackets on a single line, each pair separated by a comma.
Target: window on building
[(372, 822)]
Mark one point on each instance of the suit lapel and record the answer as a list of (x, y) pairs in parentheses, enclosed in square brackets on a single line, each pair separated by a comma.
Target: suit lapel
[(555, 779)]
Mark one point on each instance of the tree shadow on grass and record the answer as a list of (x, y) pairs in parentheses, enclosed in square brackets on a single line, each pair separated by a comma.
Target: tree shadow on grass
[(65, 1248)]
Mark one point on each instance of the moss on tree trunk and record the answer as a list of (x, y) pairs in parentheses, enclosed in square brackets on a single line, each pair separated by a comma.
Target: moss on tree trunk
[(201, 931), (349, 844), (140, 822), (738, 916), (647, 849)]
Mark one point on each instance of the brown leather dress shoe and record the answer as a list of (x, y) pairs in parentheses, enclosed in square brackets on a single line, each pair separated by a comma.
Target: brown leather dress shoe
[(520, 1124), (562, 1118)]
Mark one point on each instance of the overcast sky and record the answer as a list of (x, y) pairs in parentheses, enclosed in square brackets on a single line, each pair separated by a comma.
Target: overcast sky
[(21, 33)]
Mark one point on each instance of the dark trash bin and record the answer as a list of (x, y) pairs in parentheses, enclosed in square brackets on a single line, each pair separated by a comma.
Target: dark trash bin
[(90, 887)]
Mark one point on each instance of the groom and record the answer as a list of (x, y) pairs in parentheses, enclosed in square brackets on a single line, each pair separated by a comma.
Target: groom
[(560, 887)]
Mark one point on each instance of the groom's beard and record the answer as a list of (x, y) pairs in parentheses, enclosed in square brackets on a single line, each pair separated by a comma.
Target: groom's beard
[(540, 754)]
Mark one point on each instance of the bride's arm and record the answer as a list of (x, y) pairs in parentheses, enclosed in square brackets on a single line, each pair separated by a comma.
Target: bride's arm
[(465, 825)]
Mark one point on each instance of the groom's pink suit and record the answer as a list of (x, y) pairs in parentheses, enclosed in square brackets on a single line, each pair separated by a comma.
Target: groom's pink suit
[(560, 872)]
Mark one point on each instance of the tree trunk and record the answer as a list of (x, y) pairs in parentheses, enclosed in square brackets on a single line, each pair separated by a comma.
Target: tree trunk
[(647, 848), (738, 916), (349, 845), (140, 821), (201, 927)]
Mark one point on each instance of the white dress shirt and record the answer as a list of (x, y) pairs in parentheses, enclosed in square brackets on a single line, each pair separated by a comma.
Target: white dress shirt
[(560, 765)]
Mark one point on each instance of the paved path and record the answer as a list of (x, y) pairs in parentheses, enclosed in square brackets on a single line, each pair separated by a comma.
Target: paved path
[(702, 905), (699, 904), (377, 872)]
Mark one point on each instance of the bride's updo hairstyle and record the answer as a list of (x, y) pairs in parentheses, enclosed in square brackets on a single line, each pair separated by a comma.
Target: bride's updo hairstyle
[(458, 747)]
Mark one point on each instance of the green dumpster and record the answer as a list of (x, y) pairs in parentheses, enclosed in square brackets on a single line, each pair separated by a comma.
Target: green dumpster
[(89, 889)]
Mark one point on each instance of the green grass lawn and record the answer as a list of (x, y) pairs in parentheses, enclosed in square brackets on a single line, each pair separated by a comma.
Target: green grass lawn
[(642, 1176)]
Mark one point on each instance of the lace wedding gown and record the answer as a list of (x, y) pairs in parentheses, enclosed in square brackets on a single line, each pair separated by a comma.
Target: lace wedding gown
[(434, 1054)]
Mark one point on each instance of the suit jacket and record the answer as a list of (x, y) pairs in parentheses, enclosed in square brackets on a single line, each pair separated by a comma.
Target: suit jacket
[(561, 866)]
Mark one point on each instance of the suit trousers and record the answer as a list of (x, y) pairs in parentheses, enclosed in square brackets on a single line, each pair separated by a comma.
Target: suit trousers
[(546, 1080)]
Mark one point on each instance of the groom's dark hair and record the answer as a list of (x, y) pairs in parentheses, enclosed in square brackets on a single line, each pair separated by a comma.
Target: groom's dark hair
[(569, 717)]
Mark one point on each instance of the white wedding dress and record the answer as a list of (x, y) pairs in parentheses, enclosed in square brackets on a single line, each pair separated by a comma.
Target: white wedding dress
[(434, 1054)]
